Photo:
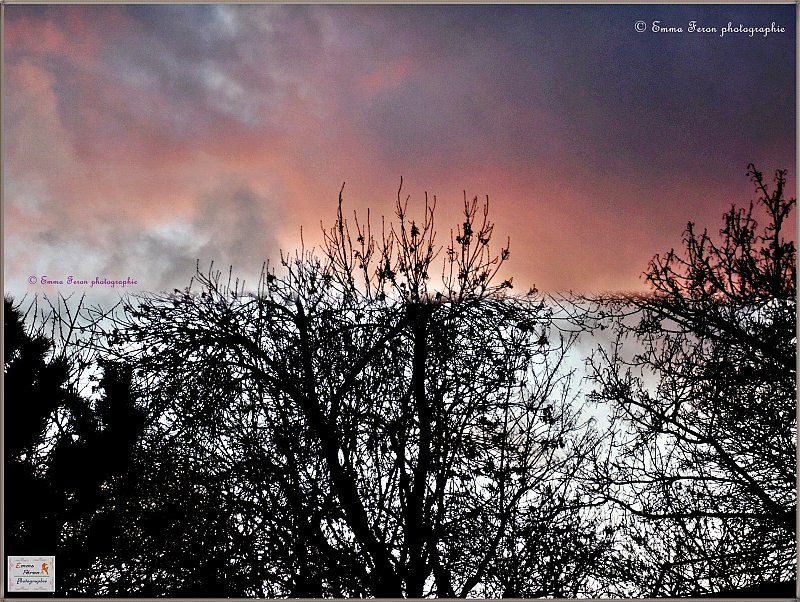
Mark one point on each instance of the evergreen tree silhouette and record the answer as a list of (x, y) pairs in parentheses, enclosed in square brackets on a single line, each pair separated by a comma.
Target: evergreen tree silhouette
[(35, 387)]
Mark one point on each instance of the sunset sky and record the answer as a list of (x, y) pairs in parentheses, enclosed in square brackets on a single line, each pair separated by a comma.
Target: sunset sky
[(138, 139)]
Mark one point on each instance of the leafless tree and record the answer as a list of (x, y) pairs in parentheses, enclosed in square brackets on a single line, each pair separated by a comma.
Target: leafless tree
[(382, 418), (702, 451)]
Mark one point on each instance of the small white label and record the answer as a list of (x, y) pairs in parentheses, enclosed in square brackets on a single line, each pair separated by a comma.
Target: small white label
[(31, 573)]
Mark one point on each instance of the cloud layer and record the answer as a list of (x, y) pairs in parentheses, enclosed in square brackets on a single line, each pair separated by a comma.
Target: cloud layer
[(141, 138)]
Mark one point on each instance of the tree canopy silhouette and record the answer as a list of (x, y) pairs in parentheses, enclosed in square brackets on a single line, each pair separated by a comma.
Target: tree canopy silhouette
[(385, 416), (64, 450), (382, 418), (707, 454)]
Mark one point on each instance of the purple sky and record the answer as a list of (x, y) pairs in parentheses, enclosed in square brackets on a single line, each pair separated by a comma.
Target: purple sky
[(141, 138)]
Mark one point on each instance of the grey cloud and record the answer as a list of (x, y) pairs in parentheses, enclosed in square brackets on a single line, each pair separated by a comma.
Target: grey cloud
[(233, 227), (240, 229)]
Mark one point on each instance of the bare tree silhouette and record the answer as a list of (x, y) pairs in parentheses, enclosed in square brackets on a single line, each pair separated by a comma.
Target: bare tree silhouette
[(377, 422), (703, 463)]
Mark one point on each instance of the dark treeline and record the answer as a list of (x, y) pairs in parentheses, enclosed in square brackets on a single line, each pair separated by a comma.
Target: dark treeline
[(387, 417)]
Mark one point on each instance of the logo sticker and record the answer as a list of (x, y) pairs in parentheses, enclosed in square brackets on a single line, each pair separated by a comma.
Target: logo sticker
[(31, 573)]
